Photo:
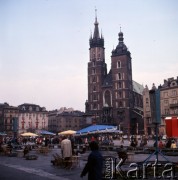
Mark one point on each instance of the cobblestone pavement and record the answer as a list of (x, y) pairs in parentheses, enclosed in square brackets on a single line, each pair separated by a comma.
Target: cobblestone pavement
[(44, 168)]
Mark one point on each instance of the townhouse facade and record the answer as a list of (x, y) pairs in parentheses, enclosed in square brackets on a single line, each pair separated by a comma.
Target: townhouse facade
[(65, 119), (168, 105)]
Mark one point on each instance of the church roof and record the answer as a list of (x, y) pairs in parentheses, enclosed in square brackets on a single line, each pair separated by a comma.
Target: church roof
[(138, 88), (96, 40), (121, 48)]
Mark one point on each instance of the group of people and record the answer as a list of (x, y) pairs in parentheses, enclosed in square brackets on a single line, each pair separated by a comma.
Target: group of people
[(170, 143)]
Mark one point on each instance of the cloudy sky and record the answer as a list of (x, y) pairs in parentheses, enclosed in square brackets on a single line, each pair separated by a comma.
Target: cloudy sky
[(44, 46)]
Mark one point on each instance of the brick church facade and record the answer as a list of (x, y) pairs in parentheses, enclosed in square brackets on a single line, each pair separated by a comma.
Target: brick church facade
[(113, 97)]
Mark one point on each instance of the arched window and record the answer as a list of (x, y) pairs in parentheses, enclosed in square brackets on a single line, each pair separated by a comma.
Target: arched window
[(107, 97), (118, 76), (94, 88), (118, 64)]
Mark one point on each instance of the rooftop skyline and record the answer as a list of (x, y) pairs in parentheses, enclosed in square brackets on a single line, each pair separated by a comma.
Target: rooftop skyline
[(44, 46)]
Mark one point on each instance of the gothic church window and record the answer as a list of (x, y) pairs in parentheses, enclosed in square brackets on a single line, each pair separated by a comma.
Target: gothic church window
[(118, 76), (118, 64), (107, 97), (94, 88)]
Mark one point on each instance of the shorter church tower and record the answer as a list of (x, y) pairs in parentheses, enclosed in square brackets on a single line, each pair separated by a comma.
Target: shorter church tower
[(121, 68)]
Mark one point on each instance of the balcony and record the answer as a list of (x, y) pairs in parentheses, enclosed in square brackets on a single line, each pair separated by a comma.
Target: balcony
[(173, 105)]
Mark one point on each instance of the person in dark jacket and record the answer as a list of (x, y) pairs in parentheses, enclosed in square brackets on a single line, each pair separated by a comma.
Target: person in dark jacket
[(94, 164)]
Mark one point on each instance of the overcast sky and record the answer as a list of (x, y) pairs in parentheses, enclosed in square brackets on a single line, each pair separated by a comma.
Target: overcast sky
[(44, 46)]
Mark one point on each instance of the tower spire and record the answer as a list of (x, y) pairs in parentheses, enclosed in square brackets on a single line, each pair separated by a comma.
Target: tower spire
[(95, 14), (121, 39), (96, 30), (96, 40)]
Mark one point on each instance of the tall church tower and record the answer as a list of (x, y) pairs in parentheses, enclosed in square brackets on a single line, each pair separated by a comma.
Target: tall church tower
[(121, 67), (97, 70)]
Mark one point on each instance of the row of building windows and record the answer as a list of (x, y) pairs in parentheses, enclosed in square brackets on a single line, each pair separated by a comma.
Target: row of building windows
[(174, 101), (169, 93), (11, 111), (170, 112), (119, 76), (31, 109), (118, 95), (119, 65), (119, 85), (29, 114), (118, 104)]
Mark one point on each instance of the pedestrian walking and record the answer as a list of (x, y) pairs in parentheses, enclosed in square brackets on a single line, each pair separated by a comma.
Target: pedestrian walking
[(94, 164)]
